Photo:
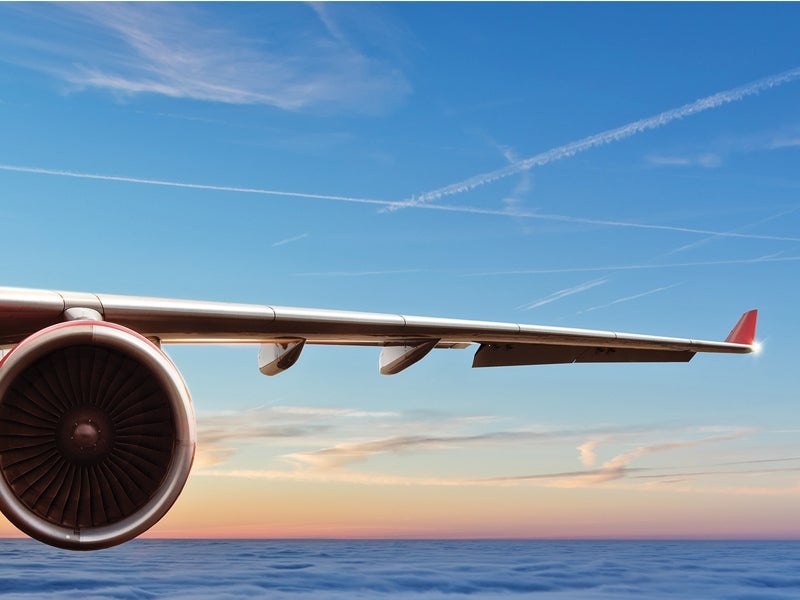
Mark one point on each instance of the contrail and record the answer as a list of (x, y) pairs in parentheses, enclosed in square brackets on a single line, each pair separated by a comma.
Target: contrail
[(629, 298), (606, 137), (193, 186), (605, 222), (707, 263), (563, 294), (283, 242), (390, 203), (738, 229), (359, 273)]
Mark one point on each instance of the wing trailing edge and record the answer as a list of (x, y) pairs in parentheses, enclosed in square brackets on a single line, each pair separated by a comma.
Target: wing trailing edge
[(507, 355), (740, 339)]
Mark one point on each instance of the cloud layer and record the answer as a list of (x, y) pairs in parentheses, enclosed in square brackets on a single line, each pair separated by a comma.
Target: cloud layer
[(403, 570)]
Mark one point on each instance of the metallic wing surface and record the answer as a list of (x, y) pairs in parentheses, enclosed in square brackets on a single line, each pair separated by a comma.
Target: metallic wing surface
[(23, 312), (97, 429)]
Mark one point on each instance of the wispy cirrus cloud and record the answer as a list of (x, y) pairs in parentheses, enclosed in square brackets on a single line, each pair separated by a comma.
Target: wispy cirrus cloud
[(444, 434), (606, 137), (715, 152), (221, 434), (348, 453), (785, 142), (587, 451), (297, 62), (619, 466), (334, 464), (514, 200), (620, 462), (338, 437), (632, 478), (338, 440)]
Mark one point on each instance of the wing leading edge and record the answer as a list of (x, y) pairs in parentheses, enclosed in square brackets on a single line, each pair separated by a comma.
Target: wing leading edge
[(405, 339)]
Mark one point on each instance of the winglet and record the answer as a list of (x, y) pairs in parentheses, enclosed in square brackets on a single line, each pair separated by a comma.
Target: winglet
[(745, 330)]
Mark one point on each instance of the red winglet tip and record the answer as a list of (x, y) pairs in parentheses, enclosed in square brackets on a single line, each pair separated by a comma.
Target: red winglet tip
[(745, 330)]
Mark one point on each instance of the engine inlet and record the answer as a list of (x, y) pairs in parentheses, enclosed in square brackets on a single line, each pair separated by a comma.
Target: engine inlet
[(96, 435)]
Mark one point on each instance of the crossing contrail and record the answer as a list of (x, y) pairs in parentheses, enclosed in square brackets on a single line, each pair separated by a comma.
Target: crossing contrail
[(606, 137), (388, 204), (193, 186)]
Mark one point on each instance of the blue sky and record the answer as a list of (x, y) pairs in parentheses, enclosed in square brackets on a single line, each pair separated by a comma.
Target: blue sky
[(626, 167)]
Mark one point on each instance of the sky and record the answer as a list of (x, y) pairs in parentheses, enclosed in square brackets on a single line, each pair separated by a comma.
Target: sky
[(627, 167)]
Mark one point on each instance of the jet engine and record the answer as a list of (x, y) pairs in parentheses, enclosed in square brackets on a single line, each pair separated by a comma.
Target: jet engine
[(97, 434)]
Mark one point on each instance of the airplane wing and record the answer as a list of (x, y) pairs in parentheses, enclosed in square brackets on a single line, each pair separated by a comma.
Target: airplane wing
[(283, 331), (97, 429)]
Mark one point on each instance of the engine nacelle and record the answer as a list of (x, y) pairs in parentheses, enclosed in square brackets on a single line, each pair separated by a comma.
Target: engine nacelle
[(97, 435)]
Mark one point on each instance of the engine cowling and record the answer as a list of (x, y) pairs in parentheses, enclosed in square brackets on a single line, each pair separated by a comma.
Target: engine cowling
[(97, 435)]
